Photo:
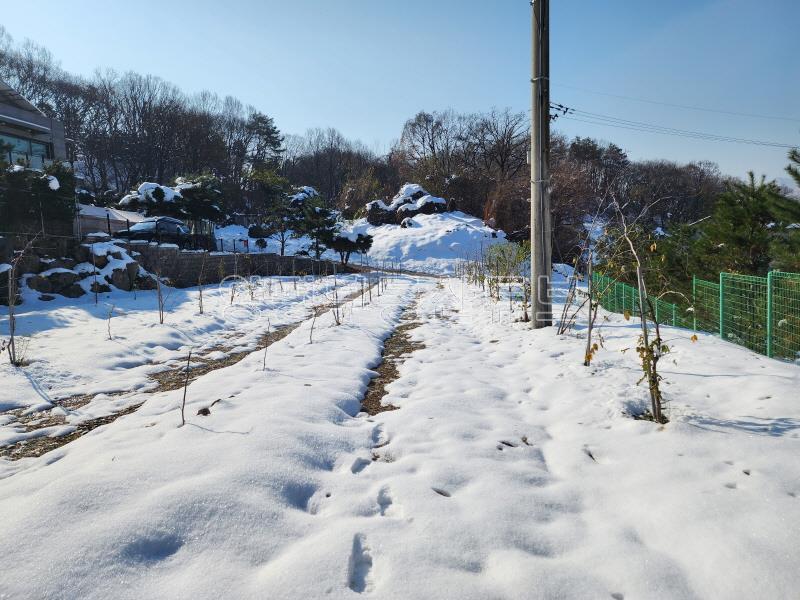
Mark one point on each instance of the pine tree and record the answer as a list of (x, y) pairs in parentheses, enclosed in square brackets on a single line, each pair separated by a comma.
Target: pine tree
[(750, 226), (317, 223), (793, 169)]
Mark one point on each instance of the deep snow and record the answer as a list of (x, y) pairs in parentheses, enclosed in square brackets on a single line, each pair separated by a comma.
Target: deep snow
[(508, 471), (432, 244)]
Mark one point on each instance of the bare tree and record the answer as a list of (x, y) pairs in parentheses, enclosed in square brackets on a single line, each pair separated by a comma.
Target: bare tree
[(14, 355)]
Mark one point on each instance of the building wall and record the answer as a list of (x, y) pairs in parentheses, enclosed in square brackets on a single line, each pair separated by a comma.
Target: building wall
[(25, 124)]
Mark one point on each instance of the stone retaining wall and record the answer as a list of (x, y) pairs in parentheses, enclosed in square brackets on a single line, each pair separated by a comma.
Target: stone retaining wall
[(183, 267)]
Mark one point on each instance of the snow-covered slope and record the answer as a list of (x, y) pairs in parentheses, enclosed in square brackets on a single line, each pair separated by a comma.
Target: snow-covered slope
[(430, 244)]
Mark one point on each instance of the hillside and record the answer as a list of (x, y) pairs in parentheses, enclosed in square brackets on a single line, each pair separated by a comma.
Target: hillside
[(414, 229)]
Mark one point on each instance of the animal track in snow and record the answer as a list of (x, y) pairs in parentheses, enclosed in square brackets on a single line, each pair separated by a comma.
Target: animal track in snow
[(441, 492), (359, 571)]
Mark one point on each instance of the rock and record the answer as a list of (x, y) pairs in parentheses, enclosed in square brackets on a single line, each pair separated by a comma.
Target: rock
[(73, 291), (99, 288), (96, 237), (60, 280), (378, 214), (82, 253), (116, 254), (100, 260), (407, 223), (59, 263), (145, 282), (47, 297), (125, 277), (40, 284)]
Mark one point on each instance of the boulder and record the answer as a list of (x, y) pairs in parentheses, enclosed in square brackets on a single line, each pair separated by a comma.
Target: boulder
[(125, 277), (99, 288), (379, 214), (59, 263), (73, 291), (61, 279), (100, 260), (145, 282), (82, 253), (40, 284), (407, 223)]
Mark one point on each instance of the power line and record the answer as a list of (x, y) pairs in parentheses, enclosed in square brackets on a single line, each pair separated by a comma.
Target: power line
[(685, 106), (619, 123)]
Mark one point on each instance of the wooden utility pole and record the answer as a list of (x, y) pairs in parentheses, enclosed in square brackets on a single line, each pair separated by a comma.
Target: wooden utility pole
[(541, 262)]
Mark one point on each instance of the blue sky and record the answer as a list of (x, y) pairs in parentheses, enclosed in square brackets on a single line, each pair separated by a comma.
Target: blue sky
[(365, 66)]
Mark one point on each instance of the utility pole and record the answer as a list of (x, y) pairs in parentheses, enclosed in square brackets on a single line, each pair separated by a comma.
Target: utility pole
[(541, 262)]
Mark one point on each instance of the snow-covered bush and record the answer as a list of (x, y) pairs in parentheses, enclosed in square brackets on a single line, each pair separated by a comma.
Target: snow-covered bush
[(411, 200), (192, 198)]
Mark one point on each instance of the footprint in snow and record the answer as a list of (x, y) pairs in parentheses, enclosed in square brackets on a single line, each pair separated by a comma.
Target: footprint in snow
[(384, 501), (359, 465), (359, 569)]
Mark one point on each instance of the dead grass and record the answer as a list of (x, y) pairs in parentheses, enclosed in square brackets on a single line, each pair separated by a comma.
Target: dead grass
[(396, 347)]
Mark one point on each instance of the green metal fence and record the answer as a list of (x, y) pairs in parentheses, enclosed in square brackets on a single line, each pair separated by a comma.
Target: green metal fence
[(784, 315), (760, 313)]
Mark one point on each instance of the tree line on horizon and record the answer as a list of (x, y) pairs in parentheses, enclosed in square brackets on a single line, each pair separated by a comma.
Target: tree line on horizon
[(130, 128)]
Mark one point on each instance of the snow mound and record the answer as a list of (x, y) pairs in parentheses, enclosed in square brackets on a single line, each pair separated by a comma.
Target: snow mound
[(432, 243)]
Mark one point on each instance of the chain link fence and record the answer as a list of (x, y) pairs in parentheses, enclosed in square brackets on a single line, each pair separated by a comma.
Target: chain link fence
[(759, 313)]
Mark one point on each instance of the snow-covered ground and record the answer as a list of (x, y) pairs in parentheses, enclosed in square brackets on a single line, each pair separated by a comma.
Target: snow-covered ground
[(432, 244), (509, 470), (66, 341)]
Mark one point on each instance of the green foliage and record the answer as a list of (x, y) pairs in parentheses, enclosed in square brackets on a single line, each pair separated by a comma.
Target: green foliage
[(750, 227), (27, 197), (316, 222), (270, 185), (201, 197), (346, 246), (794, 165), (508, 260)]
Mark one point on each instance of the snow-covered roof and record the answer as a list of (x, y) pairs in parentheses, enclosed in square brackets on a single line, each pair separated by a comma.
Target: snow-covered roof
[(88, 210)]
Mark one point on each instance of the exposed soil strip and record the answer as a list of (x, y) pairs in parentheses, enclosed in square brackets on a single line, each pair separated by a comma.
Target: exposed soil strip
[(396, 347), (167, 380)]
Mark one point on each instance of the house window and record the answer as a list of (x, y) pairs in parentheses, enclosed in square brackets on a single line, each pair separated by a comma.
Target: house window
[(20, 150)]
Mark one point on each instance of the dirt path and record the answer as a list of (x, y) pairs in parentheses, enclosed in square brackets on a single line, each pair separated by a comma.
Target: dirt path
[(396, 346)]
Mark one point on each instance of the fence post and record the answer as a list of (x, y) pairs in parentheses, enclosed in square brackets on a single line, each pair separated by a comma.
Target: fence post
[(769, 314), (694, 302), (674, 316), (722, 305)]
